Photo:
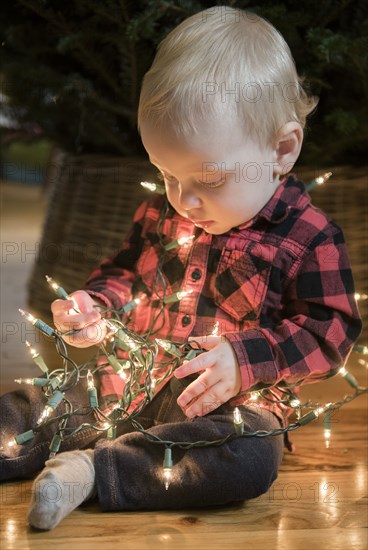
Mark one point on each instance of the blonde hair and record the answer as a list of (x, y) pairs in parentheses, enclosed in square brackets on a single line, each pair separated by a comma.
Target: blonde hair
[(219, 62)]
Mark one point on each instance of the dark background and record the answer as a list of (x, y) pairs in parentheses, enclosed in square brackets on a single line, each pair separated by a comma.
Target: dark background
[(71, 70)]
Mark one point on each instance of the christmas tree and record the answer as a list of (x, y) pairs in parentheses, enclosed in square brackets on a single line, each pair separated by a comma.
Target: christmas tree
[(75, 68)]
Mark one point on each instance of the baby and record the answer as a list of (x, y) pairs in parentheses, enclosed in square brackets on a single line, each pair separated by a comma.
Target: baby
[(221, 116)]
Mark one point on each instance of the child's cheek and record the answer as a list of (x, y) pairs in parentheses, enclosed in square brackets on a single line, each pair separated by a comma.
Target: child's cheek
[(172, 196)]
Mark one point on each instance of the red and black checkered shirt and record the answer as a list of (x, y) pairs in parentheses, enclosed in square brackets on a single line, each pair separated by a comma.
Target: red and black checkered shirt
[(280, 286)]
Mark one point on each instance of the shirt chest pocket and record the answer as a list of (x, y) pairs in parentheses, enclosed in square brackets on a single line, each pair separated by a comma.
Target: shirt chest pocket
[(162, 271), (241, 283)]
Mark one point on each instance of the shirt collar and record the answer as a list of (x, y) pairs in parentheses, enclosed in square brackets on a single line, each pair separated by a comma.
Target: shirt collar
[(290, 195)]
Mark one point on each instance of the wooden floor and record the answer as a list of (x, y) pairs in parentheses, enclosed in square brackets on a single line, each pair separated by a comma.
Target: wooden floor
[(319, 500)]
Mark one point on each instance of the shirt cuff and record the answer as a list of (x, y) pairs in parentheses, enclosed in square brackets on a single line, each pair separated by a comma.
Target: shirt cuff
[(255, 358)]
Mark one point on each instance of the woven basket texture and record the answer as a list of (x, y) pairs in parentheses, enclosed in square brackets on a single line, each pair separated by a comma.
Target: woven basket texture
[(90, 208)]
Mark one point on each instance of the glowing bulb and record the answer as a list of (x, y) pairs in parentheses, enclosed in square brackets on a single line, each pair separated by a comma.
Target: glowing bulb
[(185, 240), (294, 403), (32, 351), (167, 477), (238, 422), (52, 283), (359, 296), (322, 179), (45, 414), (90, 379), (215, 329), (51, 405), (169, 347), (253, 396), (92, 391), (327, 436), (318, 181), (181, 294), (163, 343), (28, 316), (28, 381), (154, 187), (327, 430), (148, 185), (167, 468), (37, 323), (237, 416), (349, 377), (37, 359)]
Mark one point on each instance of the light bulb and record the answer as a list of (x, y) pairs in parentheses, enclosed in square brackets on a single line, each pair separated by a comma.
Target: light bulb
[(169, 347), (238, 422), (253, 396), (185, 240), (327, 436), (215, 329), (90, 379), (237, 416), (154, 187), (32, 351), (28, 381), (37, 323), (322, 179), (183, 293), (28, 316), (167, 468)]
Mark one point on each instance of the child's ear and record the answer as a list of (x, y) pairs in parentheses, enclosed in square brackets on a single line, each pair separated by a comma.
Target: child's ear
[(288, 144)]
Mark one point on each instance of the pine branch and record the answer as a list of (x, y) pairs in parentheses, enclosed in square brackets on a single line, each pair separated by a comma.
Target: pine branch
[(86, 56)]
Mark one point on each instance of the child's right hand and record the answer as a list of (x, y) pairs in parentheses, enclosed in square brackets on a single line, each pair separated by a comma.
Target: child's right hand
[(92, 328)]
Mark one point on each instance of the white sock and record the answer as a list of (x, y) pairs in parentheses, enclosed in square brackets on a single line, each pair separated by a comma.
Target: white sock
[(67, 480)]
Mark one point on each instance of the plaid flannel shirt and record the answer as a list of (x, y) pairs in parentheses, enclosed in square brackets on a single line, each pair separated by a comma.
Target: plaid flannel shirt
[(280, 286)]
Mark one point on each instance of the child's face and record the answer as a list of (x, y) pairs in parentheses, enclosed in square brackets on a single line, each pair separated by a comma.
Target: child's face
[(218, 179)]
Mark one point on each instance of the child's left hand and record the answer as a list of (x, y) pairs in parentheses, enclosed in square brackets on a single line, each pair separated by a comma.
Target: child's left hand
[(220, 379)]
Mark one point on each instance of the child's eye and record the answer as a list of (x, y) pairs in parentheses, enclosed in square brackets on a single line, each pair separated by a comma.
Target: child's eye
[(212, 184), (209, 184), (165, 177)]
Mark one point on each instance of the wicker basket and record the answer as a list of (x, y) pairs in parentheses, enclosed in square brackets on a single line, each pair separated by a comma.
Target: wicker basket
[(90, 209)]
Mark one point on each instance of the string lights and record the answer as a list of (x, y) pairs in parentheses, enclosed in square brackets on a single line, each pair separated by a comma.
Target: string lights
[(154, 187), (141, 375), (320, 180), (37, 358)]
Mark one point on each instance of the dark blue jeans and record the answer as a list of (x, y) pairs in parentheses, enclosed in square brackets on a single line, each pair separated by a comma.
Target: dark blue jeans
[(129, 468)]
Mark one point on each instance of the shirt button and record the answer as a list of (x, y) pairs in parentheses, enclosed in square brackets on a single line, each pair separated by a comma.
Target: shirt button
[(196, 274), (186, 320)]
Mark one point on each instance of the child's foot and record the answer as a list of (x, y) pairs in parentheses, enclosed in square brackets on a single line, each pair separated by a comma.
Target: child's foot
[(67, 480)]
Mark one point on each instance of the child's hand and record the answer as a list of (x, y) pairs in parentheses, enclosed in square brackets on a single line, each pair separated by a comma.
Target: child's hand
[(220, 379), (89, 321)]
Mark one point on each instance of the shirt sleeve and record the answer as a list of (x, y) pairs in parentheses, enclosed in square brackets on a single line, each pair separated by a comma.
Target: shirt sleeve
[(320, 323), (112, 281)]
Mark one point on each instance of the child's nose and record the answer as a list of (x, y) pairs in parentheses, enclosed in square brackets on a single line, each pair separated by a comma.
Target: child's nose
[(188, 198)]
